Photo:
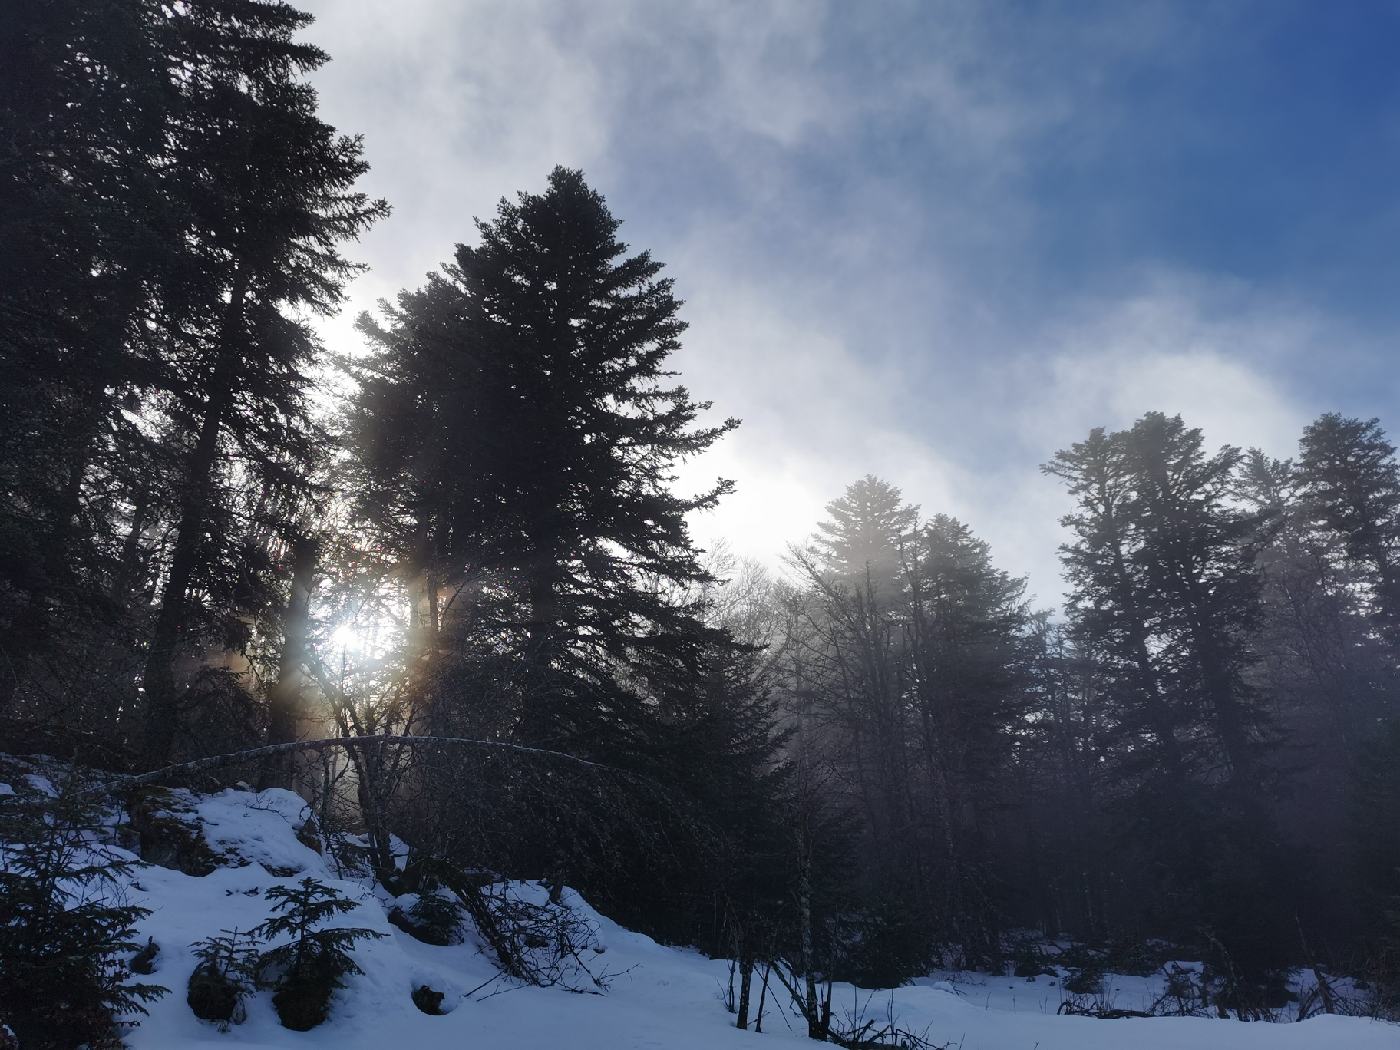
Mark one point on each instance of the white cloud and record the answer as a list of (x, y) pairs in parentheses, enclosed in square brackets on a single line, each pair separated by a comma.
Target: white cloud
[(1169, 349), (1212, 355), (812, 341)]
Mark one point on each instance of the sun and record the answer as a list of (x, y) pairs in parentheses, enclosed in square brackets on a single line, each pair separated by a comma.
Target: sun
[(358, 640), (349, 638)]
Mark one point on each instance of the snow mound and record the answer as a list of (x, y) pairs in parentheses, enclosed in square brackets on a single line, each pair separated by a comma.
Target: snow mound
[(261, 828)]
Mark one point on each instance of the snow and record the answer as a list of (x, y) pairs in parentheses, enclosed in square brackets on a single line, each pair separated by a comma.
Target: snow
[(259, 828), (660, 997)]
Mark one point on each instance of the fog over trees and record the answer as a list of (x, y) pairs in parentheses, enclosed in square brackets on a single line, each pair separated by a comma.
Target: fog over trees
[(456, 547)]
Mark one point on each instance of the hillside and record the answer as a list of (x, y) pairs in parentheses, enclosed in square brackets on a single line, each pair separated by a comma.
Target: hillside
[(657, 996)]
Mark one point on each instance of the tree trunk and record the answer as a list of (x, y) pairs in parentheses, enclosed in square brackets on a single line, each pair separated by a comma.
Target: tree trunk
[(762, 997), (129, 564), (285, 700), (811, 1007), (746, 963), (539, 712), (162, 702)]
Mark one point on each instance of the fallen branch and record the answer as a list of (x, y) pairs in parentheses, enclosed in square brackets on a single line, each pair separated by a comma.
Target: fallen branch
[(1073, 1009), (267, 751)]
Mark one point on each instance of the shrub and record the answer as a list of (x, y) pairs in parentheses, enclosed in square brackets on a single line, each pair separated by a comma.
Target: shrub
[(1085, 980), (307, 970), (224, 976), (432, 919), (545, 944), (1028, 960)]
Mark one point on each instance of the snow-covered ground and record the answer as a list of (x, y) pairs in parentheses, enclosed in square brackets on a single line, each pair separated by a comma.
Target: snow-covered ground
[(660, 997)]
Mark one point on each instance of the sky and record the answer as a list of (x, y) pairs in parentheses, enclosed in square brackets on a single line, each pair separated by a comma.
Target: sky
[(932, 241)]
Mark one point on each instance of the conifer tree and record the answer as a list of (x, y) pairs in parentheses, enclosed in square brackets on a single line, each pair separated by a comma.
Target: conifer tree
[(1165, 598), (516, 435), (224, 976), (1166, 590), (85, 97), (270, 196), (969, 648), (521, 415), (316, 959), (1350, 482), (64, 929), (857, 610), (1328, 671), (861, 540)]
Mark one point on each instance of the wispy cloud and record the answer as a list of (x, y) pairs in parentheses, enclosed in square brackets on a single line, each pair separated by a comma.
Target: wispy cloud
[(918, 240)]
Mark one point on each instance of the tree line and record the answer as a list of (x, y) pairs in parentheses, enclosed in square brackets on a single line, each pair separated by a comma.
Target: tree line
[(880, 760)]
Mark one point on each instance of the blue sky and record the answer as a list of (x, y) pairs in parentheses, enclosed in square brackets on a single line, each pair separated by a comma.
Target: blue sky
[(933, 241)]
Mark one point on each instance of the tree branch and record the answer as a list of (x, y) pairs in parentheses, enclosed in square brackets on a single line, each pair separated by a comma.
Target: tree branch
[(253, 754)]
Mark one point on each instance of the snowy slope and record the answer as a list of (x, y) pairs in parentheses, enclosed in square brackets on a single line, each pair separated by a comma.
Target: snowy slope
[(661, 997)]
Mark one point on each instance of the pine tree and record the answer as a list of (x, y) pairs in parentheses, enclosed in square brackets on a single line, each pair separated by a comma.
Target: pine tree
[(1165, 588), (856, 608), (1350, 482), (224, 976), (270, 198), (1165, 599), (315, 961), (64, 928), (969, 648), (85, 96), (520, 417), (516, 432), (862, 539), (1198, 557), (1329, 673)]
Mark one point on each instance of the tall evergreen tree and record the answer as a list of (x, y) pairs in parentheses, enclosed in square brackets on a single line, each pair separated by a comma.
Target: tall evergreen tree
[(1110, 608), (518, 431), (1166, 597), (862, 539), (859, 674), (969, 646), (1350, 480), (523, 415), (916, 653), (85, 96), (1166, 588), (269, 189), (1329, 673)]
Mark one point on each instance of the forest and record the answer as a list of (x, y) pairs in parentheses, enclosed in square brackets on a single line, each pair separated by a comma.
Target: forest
[(441, 584)]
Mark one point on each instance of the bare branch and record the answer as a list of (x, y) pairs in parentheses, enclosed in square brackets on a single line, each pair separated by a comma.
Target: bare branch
[(257, 753)]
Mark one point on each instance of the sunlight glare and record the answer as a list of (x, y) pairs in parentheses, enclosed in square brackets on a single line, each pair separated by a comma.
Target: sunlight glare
[(352, 638)]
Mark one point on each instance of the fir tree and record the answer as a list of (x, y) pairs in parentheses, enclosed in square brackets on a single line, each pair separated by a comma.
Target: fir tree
[(1165, 587), (521, 432), (224, 976), (308, 969), (857, 607), (64, 929), (969, 627), (1350, 483), (1165, 598), (85, 97), (862, 539), (270, 197), (1330, 680)]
